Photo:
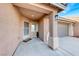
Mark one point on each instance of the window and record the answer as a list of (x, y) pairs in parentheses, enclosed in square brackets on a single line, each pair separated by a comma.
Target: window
[(26, 28)]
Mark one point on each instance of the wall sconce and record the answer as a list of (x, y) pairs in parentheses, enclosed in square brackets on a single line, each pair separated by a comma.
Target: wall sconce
[(56, 17)]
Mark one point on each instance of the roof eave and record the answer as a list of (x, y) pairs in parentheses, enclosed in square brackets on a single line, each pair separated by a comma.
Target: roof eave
[(60, 6)]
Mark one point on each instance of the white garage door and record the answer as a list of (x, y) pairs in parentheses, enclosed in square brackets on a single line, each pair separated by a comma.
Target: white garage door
[(63, 29)]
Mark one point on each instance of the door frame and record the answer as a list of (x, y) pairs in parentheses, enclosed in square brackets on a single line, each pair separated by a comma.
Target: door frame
[(26, 36)]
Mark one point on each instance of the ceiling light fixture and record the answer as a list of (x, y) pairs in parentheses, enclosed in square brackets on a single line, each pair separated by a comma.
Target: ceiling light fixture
[(32, 15)]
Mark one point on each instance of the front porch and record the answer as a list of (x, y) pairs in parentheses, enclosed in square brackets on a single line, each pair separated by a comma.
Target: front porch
[(46, 25), (36, 47)]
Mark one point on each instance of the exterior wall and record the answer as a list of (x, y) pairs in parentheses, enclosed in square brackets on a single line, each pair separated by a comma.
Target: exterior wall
[(48, 30), (41, 29), (53, 41), (76, 31), (63, 29), (71, 29), (10, 29), (44, 29)]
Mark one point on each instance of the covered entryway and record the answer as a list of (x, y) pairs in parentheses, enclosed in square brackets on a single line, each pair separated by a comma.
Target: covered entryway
[(32, 15), (40, 18)]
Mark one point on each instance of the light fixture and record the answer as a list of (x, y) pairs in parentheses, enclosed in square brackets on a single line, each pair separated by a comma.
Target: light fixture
[(32, 15), (56, 17)]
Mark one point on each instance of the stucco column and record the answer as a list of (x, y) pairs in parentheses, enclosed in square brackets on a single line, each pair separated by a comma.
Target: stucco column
[(71, 29), (53, 36)]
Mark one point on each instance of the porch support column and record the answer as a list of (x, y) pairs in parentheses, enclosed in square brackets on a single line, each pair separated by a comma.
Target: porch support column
[(53, 36), (71, 29)]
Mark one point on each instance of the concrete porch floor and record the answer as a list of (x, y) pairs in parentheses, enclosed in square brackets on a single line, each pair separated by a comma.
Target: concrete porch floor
[(68, 46)]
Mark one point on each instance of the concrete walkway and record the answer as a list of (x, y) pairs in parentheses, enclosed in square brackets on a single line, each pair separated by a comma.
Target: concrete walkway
[(35, 47)]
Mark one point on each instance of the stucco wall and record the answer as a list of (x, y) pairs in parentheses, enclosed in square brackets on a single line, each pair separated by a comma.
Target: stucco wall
[(41, 29), (44, 29), (76, 29), (10, 29)]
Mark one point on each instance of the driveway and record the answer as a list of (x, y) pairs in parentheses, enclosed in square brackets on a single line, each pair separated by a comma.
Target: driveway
[(69, 46)]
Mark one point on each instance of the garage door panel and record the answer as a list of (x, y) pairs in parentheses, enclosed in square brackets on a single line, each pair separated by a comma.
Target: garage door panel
[(63, 29)]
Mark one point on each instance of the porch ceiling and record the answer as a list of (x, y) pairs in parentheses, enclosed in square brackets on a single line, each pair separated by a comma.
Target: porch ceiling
[(30, 11), (34, 7), (33, 15)]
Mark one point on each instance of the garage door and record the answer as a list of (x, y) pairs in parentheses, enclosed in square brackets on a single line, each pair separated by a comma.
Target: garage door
[(63, 29)]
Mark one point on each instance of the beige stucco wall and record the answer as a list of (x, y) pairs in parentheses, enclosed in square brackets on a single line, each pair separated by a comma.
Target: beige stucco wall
[(10, 29), (41, 29), (76, 29), (71, 29), (46, 29)]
